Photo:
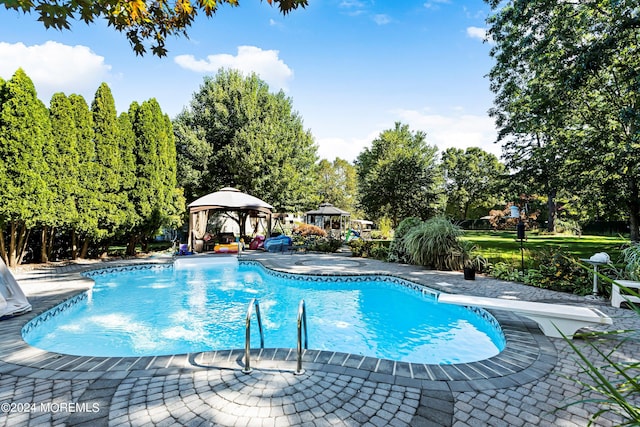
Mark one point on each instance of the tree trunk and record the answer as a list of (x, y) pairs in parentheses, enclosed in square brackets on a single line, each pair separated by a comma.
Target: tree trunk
[(44, 253), (85, 248), (50, 242), (12, 245), (23, 242), (131, 246), (553, 210), (74, 244), (18, 240)]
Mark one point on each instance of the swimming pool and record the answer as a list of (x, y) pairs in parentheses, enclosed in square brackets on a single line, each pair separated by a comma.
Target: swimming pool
[(196, 306)]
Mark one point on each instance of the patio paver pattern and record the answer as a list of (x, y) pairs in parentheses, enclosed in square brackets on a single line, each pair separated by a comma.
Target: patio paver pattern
[(522, 386)]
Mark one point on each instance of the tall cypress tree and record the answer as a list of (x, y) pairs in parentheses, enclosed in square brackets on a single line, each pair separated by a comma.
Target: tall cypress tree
[(87, 201), (127, 142), (63, 161), (175, 203), (112, 202), (157, 201), (25, 131), (147, 194)]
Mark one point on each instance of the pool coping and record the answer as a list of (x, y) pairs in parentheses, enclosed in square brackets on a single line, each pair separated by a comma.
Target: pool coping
[(528, 355)]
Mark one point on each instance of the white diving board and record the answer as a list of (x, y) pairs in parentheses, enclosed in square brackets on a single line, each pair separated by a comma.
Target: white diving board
[(553, 319)]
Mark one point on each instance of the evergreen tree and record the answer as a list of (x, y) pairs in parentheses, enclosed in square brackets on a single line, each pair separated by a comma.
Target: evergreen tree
[(25, 131), (87, 199), (127, 145), (62, 158), (175, 203), (157, 202), (112, 213)]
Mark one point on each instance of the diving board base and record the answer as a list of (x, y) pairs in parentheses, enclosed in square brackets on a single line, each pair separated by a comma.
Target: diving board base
[(555, 320)]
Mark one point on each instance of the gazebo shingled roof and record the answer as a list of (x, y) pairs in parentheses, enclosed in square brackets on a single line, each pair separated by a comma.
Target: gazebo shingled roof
[(327, 209)]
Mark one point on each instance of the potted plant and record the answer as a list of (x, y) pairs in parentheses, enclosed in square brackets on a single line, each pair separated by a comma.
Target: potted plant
[(471, 261)]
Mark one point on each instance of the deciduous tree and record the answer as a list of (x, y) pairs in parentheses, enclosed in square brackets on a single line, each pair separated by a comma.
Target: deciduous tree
[(567, 93), (471, 180), (237, 133), (398, 176), (338, 184)]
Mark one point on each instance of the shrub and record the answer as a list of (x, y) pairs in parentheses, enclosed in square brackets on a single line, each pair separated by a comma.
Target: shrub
[(505, 271), (369, 249), (631, 260), (305, 230), (379, 252), (398, 251), (559, 271), (435, 244), (359, 247), (324, 245)]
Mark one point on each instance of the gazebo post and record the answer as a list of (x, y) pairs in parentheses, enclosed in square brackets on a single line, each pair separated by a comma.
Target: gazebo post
[(189, 237)]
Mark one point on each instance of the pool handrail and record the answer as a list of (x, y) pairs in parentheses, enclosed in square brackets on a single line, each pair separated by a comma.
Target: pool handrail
[(302, 322), (247, 342)]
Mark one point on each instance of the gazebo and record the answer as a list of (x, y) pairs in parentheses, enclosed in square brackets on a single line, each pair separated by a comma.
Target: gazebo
[(227, 199), (333, 220)]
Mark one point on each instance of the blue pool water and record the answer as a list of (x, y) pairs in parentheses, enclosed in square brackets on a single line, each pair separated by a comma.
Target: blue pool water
[(203, 306)]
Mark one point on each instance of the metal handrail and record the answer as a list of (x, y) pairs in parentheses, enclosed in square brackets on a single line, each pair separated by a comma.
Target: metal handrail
[(302, 321), (247, 341)]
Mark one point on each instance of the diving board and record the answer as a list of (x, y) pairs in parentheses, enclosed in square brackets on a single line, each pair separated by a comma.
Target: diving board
[(554, 319)]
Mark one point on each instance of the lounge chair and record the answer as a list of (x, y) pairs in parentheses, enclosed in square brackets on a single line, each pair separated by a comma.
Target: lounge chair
[(555, 320)]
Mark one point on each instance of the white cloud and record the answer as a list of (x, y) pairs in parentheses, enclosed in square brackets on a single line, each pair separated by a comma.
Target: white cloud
[(381, 19), (55, 67), (276, 24), (345, 148), (435, 4), (352, 3), (249, 59), (478, 33), (458, 129), (453, 129)]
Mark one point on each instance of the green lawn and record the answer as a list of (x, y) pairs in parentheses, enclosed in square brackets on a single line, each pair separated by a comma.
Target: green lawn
[(503, 246)]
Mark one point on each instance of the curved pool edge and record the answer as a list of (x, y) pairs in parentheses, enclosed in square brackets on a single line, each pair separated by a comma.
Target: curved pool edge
[(527, 356)]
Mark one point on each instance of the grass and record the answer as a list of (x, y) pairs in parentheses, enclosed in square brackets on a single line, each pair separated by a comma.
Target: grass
[(502, 246)]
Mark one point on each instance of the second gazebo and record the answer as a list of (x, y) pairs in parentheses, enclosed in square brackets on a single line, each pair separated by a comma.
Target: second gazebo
[(333, 220)]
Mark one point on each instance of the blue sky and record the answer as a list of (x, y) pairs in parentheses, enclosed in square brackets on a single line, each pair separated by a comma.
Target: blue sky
[(351, 67)]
